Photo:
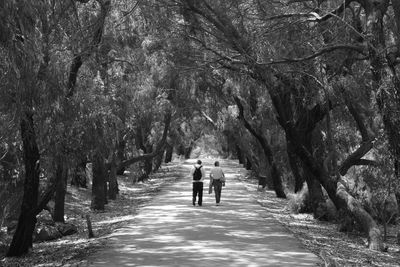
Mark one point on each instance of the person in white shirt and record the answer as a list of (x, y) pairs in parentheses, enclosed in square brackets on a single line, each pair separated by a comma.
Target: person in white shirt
[(198, 175), (217, 180)]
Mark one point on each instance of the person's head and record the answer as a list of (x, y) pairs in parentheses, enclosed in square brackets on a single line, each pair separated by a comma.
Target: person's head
[(199, 162), (216, 164)]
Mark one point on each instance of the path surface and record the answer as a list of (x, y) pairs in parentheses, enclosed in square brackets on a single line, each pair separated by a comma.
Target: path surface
[(169, 231)]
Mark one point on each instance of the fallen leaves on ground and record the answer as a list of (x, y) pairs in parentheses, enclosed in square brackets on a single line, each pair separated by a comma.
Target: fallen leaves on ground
[(347, 249)]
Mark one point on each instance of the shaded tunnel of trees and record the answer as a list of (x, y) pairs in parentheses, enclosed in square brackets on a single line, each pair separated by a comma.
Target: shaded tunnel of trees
[(304, 93)]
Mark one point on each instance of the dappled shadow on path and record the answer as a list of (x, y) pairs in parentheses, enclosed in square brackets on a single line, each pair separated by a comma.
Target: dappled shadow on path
[(171, 232)]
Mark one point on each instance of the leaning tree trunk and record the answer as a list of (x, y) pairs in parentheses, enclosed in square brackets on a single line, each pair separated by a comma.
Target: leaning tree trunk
[(22, 239), (274, 172), (336, 192), (99, 178), (61, 190), (362, 217)]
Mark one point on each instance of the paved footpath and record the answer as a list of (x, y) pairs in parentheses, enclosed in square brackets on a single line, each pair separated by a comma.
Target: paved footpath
[(169, 231)]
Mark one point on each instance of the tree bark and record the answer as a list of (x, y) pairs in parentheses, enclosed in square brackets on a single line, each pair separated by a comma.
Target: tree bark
[(158, 161), (248, 164), (239, 154), (22, 239), (98, 192), (79, 177), (148, 163), (121, 155), (112, 180), (168, 153), (294, 166), (362, 217), (61, 189), (384, 72), (188, 151)]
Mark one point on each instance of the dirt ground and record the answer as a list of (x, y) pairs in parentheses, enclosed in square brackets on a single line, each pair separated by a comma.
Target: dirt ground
[(322, 238)]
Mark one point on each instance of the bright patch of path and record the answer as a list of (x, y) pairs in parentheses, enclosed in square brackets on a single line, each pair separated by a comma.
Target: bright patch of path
[(169, 231)]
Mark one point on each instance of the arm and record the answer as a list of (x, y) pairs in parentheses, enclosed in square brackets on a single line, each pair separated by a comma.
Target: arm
[(203, 174)]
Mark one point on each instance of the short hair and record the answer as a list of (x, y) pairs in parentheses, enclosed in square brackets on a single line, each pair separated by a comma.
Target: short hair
[(216, 163), (198, 161)]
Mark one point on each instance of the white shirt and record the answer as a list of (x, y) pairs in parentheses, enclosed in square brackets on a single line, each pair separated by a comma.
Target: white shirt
[(217, 173)]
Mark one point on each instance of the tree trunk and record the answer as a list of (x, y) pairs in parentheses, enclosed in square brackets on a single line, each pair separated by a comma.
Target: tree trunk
[(340, 197), (61, 189), (316, 197), (383, 67), (158, 160), (22, 239), (277, 181), (112, 180), (248, 164), (121, 155), (79, 177), (168, 153), (105, 186), (188, 151), (274, 173), (148, 163), (294, 166), (239, 154), (362, 217), (98, 192)]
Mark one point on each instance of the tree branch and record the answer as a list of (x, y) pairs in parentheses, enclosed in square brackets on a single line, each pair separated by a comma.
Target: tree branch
[(367, 141), (339, 10), (159, 147), (251, 129), (357, 48), (87, 51), (47, 195), (355, 157), (396, 8), (366, 162)]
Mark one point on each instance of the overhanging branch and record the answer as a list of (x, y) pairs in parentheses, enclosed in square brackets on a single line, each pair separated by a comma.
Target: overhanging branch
[(328, 49), (159, 148)]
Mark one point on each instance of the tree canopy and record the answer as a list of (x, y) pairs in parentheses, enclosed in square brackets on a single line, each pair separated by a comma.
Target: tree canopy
[(304, 93)]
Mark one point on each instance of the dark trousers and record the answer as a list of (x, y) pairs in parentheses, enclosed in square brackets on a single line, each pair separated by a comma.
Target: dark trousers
[(198, 190), (217, 189)]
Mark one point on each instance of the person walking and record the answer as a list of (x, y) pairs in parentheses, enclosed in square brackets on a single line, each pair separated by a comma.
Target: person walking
[(217, 180), (198, 175)]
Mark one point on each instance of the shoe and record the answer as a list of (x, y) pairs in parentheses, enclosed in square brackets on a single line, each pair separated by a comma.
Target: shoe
[(200, 205), (194, 204), (217, 204)]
